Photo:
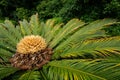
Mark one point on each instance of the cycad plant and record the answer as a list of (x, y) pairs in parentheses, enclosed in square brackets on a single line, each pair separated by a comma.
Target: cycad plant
[(76, 50)]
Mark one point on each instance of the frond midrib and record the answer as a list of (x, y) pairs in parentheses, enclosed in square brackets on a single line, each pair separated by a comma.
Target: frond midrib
[(69, 68), (110, 49), (43, 75), (106, 48)]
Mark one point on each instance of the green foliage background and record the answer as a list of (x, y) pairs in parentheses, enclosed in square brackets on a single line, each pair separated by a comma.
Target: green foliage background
[(87, 10)]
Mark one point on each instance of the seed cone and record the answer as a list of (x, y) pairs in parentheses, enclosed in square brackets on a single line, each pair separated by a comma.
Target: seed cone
[(31, 53), (31, 44)]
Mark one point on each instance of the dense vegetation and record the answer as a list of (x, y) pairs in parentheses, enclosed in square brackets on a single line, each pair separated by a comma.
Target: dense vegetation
[(66, 9)]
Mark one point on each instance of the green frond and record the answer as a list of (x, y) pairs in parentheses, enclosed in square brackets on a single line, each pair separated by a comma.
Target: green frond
[(66, 30), (43, 75), (8, 34), (32, 27), (30, 75), (86, 30), (5, 55), (80, 69), (96, 47), (6, 71), (35, 25), (7, 46), (51, 29), (12, 30), (53, 32), (25, 28)]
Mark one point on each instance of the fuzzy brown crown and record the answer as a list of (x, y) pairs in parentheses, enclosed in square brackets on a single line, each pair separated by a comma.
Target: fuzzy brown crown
[(31, 61), (31, 44)]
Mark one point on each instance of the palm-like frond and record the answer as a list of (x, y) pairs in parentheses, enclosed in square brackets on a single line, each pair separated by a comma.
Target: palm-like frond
[(73, 24), (81, 51), (5, 55), (97, 47), (30, 75), (6, 71), (87, 30), (83, 69)]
